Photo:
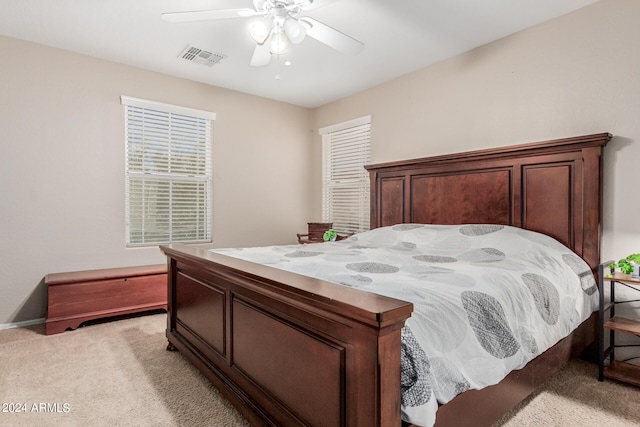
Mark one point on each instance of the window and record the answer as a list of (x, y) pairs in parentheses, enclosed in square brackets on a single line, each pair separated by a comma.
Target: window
[(346, 150), (168, 173)]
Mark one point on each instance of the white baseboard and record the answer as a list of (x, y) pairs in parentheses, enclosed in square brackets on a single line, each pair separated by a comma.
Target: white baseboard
[(21, 324)]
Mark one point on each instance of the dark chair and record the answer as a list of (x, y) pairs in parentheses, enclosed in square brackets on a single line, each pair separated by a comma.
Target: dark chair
[(315, 233)]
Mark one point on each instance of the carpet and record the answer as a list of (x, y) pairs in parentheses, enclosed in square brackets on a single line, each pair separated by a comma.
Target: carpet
[(118, 373), (114, 373)]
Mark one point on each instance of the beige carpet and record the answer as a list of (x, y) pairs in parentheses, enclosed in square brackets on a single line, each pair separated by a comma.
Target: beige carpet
[(118, 373), (575, 398)]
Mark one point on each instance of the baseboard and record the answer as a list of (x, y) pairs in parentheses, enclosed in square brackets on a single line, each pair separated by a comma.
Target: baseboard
[(21, 324)]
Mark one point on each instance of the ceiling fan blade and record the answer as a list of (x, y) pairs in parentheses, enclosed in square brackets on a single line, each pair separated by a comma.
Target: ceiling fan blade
[(332, 37), (315, 4), (261, 55), (207, 15)]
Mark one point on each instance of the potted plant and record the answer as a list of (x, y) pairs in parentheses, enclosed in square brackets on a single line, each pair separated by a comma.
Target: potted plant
[(330, 235), (628, 265)]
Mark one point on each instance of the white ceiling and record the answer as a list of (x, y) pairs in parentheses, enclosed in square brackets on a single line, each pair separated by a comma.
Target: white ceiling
[(400, 36)]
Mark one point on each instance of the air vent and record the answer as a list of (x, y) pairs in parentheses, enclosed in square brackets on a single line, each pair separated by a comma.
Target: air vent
[(201, 56)]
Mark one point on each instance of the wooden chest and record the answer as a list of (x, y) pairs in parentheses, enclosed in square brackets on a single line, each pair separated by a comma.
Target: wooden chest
[(78, 296)]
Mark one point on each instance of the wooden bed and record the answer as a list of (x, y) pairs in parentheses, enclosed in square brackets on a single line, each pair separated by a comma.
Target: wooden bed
[(288, 350)]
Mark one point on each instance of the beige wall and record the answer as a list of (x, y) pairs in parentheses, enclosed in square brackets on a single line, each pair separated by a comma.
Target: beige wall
[(62, 167), (62, 148), (576, 75)]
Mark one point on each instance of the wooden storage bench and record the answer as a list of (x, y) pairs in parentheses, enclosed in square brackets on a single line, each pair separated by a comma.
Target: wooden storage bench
[(79, 296)]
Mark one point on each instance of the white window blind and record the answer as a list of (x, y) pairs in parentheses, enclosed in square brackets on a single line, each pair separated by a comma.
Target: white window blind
[(346, 150), (168, 173)]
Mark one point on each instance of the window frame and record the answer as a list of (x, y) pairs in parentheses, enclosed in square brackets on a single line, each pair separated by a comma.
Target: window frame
[(194, 137), (353, 135)]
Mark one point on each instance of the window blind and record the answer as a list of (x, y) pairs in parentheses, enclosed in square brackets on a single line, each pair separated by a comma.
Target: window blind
[(168, 181), (346, 150)]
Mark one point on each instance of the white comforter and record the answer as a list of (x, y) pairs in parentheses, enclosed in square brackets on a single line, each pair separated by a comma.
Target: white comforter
[(487, 298)]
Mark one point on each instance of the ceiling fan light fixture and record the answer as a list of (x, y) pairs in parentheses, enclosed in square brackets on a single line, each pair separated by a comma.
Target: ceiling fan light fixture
[(279, 43), (277, 24), (295, 31), (260, 30)]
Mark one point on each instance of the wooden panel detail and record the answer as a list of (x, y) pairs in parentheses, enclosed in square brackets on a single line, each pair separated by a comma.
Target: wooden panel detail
[(566, 171), (104, 295), (202, 308), (299, 368), (462, 198), (548, 200), (391, 195)]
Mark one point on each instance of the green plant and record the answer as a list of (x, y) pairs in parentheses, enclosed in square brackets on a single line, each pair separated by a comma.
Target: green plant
[(330, 234), (626, 265)]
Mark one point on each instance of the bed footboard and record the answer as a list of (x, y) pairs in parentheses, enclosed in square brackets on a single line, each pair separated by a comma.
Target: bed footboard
[(283, 348)]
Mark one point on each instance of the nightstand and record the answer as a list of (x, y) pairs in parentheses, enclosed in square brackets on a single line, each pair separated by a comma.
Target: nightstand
[(616, 369)]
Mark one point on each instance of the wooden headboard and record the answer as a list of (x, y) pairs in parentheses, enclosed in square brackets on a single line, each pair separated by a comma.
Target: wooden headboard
[(553, 187)]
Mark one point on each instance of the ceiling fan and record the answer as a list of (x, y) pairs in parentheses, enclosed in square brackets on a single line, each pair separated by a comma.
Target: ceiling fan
[(276, 25)]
